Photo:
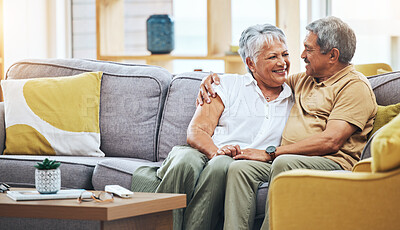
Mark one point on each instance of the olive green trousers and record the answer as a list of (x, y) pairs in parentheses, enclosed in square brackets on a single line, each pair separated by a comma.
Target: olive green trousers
[(188, 171), (245, 176)]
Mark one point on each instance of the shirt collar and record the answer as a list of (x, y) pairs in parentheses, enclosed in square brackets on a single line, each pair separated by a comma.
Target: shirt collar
[(336, 77), (286, 92), (249, 79)]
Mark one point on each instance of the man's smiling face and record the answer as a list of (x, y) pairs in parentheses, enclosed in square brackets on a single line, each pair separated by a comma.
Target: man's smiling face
[(316, 62)]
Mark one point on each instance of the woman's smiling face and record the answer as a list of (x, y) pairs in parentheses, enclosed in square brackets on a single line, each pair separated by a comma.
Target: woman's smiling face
[(272, 64)]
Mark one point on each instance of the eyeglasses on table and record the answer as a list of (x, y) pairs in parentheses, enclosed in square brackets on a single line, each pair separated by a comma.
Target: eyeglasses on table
[(96, 196)]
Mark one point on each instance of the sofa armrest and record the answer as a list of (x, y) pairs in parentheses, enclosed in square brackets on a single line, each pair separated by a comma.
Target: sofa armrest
[(2, 128), (363, 165), (310, 199)]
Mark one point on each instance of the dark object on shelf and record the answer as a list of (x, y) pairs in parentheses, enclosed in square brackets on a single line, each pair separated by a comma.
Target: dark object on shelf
[(160, 34)]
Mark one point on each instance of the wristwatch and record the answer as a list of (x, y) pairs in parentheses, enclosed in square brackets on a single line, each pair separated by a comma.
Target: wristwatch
[(270, 150)]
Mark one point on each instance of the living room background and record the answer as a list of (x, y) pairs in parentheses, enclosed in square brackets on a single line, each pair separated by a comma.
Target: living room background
[(67, 28)]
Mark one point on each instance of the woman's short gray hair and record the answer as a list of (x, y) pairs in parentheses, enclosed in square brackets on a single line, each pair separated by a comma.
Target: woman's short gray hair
[(334, 33), (255, 37)]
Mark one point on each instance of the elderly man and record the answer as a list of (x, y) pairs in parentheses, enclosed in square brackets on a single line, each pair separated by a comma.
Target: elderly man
[(333, 112)]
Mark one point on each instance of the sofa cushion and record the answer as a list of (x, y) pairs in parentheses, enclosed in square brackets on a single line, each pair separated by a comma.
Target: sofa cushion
[(179, 108), (117, 171), (53, 116), (2, 128), (386, 147), (366, 153), (384, 115), (131, 100), (262, 194), (76, 171), (386, 88)]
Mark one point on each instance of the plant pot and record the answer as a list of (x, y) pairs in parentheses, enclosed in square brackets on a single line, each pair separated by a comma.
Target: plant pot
[(48, 181)]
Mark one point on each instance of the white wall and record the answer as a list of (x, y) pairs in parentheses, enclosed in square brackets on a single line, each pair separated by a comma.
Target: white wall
[(25, 32), (30, 30)]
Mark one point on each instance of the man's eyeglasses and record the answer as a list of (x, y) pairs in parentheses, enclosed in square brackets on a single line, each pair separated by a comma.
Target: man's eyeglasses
[(98, 197)]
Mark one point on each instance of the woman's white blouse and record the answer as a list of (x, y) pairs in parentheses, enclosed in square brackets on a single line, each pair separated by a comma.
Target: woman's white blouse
[(248, 119)]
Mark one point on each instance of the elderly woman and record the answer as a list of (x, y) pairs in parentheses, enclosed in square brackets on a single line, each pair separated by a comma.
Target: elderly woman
[(248, 115)]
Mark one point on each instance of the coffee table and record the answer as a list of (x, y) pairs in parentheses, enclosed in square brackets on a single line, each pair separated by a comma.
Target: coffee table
[(143, 211)]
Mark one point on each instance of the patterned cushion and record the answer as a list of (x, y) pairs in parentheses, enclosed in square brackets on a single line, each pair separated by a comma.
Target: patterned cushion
[(53, 116)]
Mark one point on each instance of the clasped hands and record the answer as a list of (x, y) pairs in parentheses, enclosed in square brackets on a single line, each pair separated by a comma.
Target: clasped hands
[(237, 153)]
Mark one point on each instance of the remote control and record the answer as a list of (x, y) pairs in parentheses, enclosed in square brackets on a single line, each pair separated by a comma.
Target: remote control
[(119, 191)]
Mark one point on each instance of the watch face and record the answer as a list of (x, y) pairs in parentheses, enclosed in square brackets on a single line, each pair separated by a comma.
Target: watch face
[(271, 149)]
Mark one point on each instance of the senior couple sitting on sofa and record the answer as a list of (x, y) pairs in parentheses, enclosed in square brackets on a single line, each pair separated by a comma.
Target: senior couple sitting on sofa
[(140, 112)]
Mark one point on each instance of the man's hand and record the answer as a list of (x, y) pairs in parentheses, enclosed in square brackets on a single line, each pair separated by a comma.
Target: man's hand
[(229, 150), (206, 88), (253, 154)]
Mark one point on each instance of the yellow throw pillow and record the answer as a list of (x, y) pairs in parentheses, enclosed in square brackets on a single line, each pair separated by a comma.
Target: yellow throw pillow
[(383, 116), (385, 148), (53, 116)]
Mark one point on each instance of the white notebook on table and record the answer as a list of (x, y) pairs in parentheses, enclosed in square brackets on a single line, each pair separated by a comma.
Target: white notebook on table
[(35, 195)]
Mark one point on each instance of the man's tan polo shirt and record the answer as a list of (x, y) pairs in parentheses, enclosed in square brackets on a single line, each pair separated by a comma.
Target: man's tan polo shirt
[(346, 96)]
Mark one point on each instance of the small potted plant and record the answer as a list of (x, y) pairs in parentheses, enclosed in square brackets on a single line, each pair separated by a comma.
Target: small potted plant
[(48, 176)]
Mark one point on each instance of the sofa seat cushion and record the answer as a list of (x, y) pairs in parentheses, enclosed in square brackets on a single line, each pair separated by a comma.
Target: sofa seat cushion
[(76, 171), (262, 194), (131, 100), (117, 171)]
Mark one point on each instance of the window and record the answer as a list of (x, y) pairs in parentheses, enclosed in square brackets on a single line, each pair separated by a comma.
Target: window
[(310, 10), (190, 21), (245, 14), (83, 29), (377, 27)]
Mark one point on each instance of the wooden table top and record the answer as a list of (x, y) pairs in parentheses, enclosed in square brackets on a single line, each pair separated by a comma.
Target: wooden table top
[(139, 204)]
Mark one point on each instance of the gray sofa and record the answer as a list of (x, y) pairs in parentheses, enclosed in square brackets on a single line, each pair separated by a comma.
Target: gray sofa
[(144, 112)]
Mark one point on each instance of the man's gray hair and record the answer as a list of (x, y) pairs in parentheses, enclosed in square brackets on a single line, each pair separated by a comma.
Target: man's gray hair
[(255, 37), (334, 33)]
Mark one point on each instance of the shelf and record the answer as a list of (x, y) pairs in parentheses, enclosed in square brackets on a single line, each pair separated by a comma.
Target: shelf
[(167, 57), (233, 63), (110, 36)]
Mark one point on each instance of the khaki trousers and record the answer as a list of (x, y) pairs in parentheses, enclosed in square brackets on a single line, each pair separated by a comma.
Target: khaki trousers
[(245, 176)]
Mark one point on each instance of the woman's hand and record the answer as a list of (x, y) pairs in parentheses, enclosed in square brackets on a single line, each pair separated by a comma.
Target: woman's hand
[(229, 150), (253, 154), (206, 88)]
